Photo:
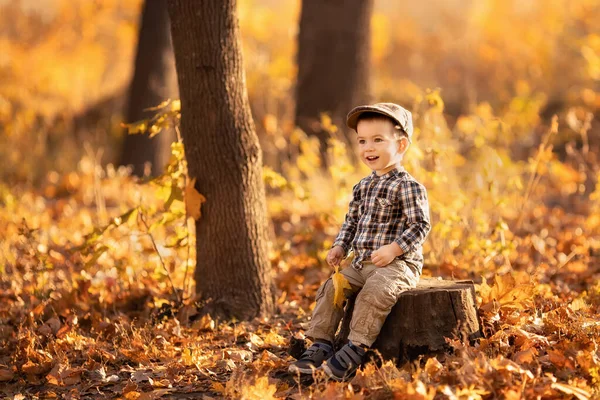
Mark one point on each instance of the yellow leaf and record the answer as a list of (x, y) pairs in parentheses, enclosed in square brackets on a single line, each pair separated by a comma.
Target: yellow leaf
[(163, 104), (579, 393), (187, 357), (193, 200), (339, 284), (133, 395), (206, 323), (136, 127), (218, 387), (506, 292), (433, 366), (274, 339), (261, 390)]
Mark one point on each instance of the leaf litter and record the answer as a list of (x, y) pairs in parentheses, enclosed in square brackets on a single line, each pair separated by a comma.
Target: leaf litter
[(89, 307)]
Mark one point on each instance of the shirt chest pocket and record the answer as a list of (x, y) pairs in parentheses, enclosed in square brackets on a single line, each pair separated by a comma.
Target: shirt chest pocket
[(384, 209)]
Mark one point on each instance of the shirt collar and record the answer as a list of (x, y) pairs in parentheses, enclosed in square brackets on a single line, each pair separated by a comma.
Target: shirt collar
[(394, 172)]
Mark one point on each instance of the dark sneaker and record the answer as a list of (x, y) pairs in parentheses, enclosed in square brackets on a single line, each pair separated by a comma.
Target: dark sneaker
[(344, 363), (311, 359)]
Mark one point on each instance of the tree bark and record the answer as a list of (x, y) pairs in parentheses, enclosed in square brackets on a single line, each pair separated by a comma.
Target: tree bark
[(224, 154), (422, 319), (334, 49), (154, 80)]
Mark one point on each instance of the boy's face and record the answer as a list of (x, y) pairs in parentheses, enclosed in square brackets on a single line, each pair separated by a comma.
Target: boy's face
[(378, 145)]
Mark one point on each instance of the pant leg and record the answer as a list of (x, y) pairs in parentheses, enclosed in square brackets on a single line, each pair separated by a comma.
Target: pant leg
[(379, 294), (326, 316)]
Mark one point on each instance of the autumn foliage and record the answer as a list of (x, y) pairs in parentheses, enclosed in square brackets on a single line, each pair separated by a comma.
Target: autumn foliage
[(96, 293)]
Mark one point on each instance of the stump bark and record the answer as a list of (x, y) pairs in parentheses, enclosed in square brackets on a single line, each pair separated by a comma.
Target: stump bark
[(422, 318)]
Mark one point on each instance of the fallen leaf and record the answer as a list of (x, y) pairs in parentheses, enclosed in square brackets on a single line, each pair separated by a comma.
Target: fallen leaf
[(32, 368), (433, 366), (274, 339), (578, 304), (227, 365), (135, 355), (6, 374), (71, 376), (140, 376), (506, 293), (133, 395), (218, 387), (239, 355), (53, 376), (525, 356), (206, 323), (155, 394), (187, 357), (131, 387), (261, 390), (575, 391), (512, 394), (256, 340), (558, 358)]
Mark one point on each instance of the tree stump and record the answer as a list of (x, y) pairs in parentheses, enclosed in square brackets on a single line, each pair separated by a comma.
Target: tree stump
[(422, 318)]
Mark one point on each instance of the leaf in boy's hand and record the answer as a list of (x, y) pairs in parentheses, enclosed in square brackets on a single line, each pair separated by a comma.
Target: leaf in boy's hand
[(339, 284), (193, 200)]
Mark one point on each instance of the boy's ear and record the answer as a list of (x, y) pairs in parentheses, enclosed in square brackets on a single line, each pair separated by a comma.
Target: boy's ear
[(402, 144)]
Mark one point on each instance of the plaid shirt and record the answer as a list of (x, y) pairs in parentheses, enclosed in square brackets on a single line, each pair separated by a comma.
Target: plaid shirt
[(385, 209)]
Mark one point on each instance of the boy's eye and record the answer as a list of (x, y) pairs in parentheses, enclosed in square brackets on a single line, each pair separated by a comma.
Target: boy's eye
[(361, 141), (378, 140)]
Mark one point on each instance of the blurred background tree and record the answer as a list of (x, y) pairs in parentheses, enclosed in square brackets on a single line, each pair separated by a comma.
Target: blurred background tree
[(154, 81), (334, 65)]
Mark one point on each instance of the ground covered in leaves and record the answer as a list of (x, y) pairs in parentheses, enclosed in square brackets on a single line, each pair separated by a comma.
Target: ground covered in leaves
[(96, 290), (97, 301)]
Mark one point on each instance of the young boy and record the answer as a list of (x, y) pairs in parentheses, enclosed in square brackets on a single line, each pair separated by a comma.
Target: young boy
[(386, 225)]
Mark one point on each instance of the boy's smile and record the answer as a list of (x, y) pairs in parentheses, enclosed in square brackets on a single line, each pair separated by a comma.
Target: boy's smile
[(378, 146)]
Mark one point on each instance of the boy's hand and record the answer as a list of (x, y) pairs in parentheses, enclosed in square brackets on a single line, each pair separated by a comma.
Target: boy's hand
[(386, 254), (335, 256)]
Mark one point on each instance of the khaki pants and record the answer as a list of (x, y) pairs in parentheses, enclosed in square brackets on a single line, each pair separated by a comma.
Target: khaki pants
[(378, 289)]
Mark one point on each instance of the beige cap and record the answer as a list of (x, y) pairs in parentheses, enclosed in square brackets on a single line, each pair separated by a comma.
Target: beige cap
[(397, 113)]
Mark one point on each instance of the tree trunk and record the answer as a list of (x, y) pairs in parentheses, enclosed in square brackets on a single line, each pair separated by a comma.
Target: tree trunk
[(223, 153), (154, 80), (334, 49), (422, 319)]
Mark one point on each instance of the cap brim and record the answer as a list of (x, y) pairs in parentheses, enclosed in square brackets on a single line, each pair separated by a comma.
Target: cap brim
[(352, 118), (354, 114)]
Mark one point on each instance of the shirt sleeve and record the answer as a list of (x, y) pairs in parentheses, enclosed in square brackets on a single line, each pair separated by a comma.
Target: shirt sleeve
[(348, 230), (415, 207)]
